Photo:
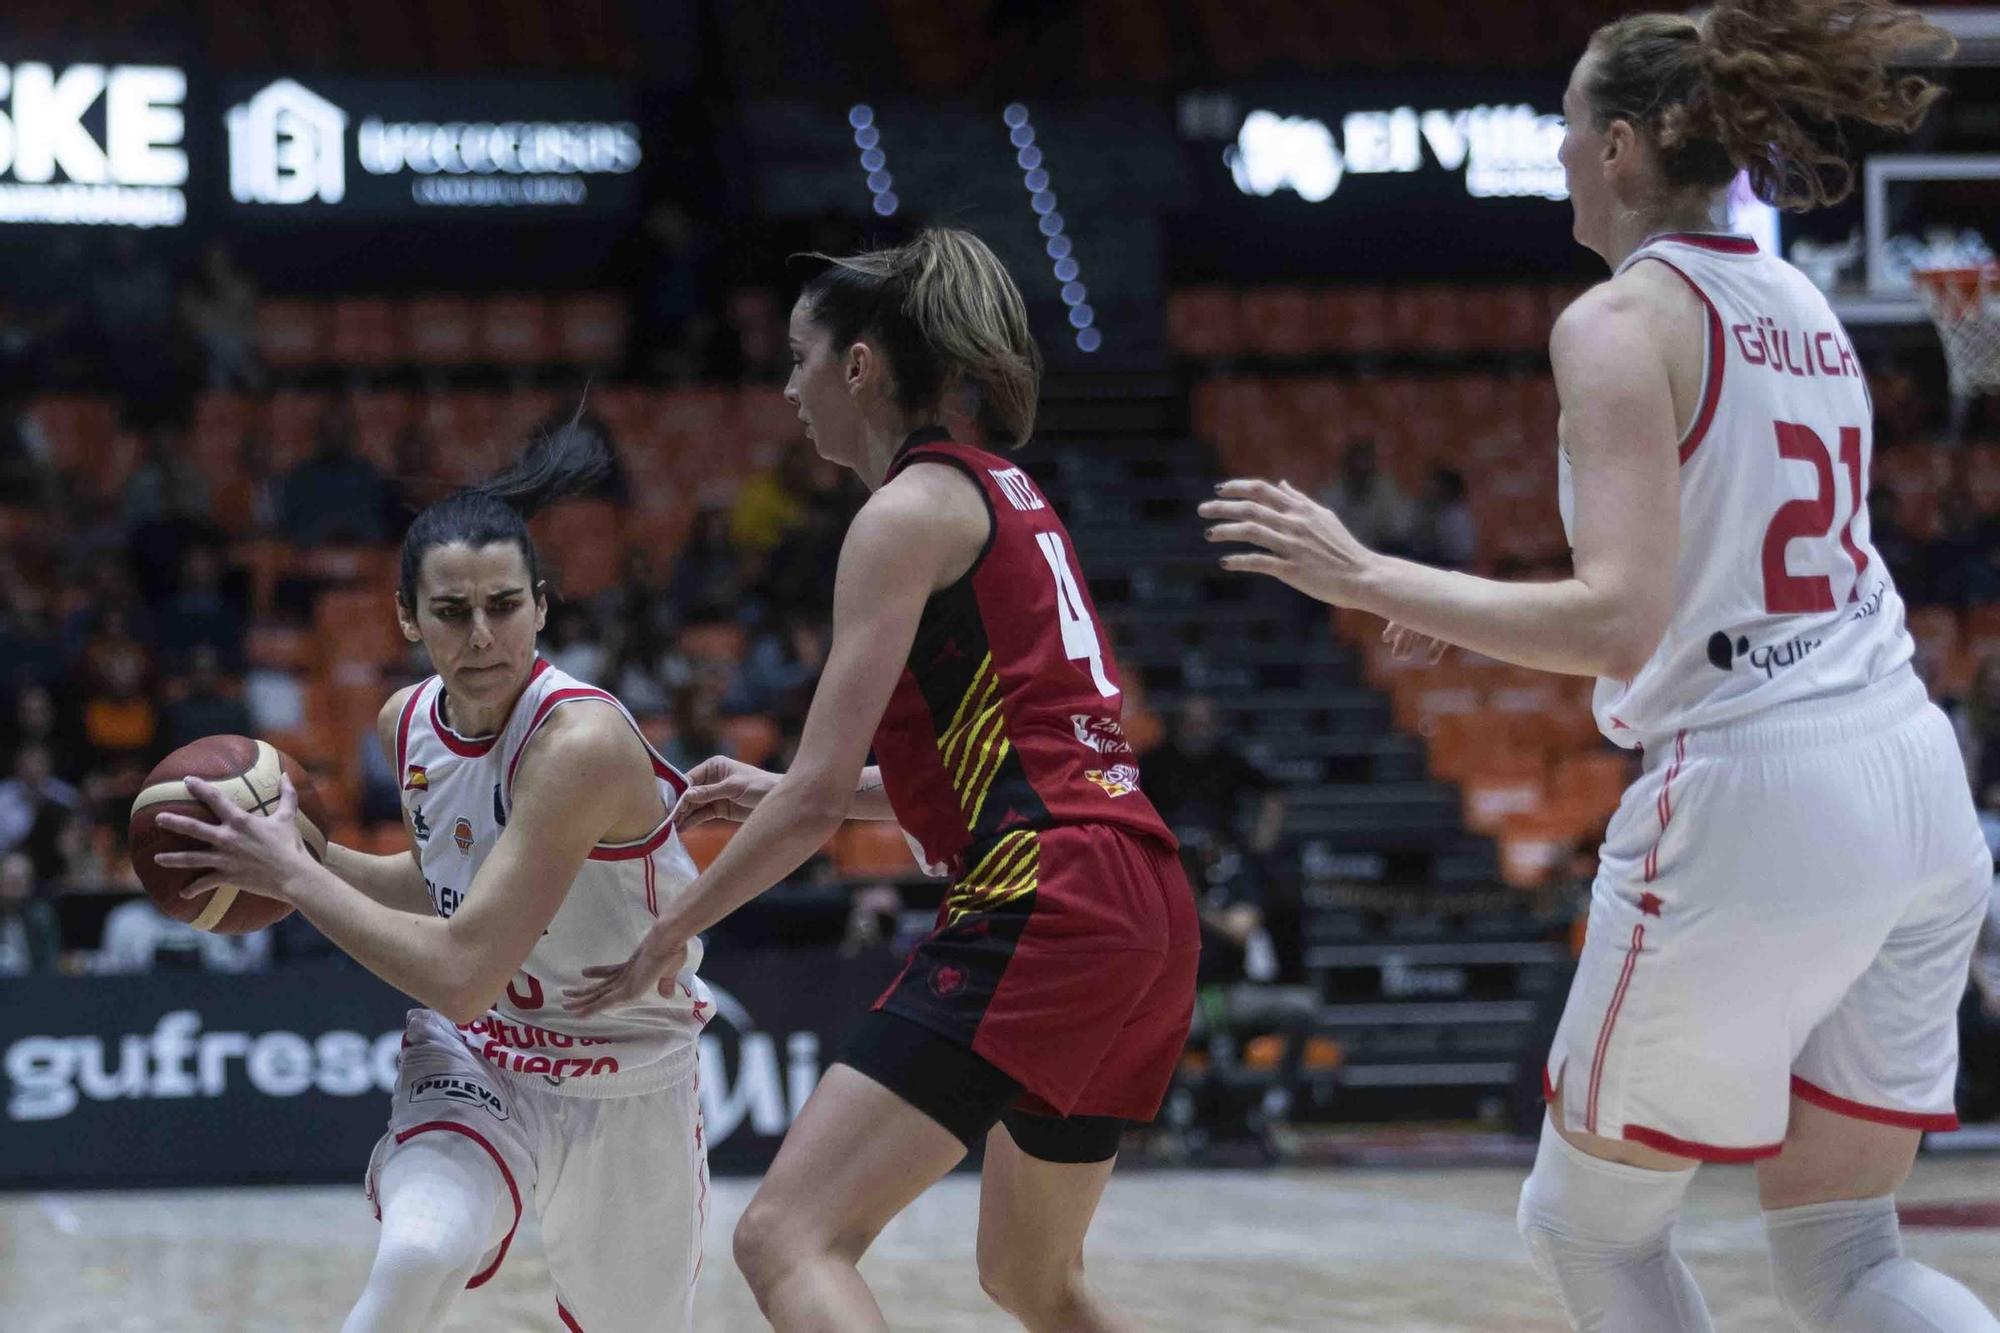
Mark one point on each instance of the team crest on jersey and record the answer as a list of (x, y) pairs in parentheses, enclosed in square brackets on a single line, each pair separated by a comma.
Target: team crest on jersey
[(461, 833), (1118, 780), (417, 779), (465, 1091)]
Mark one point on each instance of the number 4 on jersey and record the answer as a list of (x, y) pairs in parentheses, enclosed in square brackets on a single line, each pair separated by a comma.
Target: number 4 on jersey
[(1079, 635)]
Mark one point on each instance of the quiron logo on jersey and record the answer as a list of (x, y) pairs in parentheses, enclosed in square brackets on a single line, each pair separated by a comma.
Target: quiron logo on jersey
[(1767, 658)]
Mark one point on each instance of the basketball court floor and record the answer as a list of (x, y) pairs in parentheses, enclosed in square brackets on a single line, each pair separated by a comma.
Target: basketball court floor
[(1414, 1250)]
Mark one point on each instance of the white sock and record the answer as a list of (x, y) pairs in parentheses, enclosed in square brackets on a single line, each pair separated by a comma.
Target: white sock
[(444, 1206), (1602, 1233), (1839, 1268)]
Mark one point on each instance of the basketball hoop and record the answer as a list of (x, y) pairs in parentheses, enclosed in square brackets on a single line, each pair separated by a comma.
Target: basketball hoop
[(1964, 303)]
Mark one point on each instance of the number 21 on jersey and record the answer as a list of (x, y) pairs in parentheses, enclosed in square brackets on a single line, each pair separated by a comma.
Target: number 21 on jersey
[(1812, 520), (1079, 635)]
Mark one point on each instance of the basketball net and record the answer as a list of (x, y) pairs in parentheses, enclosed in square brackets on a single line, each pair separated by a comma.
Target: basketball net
[(1964, 303)]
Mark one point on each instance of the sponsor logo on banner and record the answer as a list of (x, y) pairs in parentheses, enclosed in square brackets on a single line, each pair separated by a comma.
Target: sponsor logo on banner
[(48, 1076), (1502, 151), (289, 145), (54, 170), (774, 1073)]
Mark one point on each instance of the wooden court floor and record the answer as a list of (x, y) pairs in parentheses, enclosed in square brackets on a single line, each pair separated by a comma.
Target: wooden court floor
[(1419, 1250)]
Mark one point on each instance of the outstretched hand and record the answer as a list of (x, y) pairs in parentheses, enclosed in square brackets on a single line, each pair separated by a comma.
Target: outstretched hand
[(1296, 540)]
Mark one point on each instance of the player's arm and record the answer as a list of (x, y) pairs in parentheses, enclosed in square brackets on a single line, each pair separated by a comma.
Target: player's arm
[(1607, 618), (584, 775), (721, 788), (915, 535), (395, 880)]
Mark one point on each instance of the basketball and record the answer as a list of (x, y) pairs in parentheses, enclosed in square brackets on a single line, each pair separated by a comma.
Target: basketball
[(248, 770)]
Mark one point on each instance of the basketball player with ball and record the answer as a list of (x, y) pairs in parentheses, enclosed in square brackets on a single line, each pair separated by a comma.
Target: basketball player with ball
[(1790, 891), (542, 841)]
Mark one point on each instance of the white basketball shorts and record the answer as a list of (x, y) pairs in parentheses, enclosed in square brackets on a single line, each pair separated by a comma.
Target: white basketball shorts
[(619, 1183), (1783, 907)]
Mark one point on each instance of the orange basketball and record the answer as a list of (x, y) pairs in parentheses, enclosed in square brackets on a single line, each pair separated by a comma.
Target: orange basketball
[(246, 769)]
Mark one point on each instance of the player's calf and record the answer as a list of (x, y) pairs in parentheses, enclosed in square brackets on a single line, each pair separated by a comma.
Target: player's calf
[(1839, 1268)]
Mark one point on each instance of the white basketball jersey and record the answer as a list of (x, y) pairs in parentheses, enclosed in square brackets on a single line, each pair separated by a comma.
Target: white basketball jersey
[(1778, 593), (456, 800)]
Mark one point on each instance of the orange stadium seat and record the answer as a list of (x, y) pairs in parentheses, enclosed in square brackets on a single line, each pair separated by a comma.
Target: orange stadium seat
[(1353, 319), (1278, 321), (291, 334), (582, 543), (291, 422), (1501, 787), (872, 848), (438, 331), (364, 333), (514, 331), (590, 330), (705, 842), (752, 738), (357, 625), (1534, 848), (1205, 321)]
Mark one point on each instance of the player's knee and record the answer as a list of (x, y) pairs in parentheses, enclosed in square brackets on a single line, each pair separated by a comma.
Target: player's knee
[(758, 1245), (1034, 1290), (427, 1261), (1574, 1206)]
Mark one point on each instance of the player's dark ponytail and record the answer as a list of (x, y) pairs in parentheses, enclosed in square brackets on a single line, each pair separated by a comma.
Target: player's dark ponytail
[(564, 462)]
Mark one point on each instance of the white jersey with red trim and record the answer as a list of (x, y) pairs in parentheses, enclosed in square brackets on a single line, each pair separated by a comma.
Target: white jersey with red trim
[(1778, 593), (457, 795)]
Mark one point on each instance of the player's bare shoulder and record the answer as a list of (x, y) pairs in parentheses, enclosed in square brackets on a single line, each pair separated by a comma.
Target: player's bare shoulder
[(935, 504), (585, 756), (391, 717)]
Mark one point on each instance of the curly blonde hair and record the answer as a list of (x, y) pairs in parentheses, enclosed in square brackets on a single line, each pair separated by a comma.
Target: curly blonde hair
[(1765, 86)]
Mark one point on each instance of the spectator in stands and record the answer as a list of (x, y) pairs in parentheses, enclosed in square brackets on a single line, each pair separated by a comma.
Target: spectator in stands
[(220, 309), (27, 466), (695, 735), (1958, 552), (37, 720), (1368, 500), (207, 708), (772, 503), (1982, 715), (1199, 780), (571, 642), (29, 651), (30, 935), (36, 807), (641, 603), (200, 615), (165, 484), (134, 310), (138, 937), (798, 576), (707, 583), (336, 496), (117, 677), (1444, 533), (776, 674), (1906, 558), (674, 324)]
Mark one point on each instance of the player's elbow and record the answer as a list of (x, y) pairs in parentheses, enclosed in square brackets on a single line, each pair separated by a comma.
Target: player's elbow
[(1627, 643), (464, 994), (463, 1006)]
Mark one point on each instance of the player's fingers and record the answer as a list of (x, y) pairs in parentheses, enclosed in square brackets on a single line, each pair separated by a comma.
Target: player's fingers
[(207, 884), (1254, 534), (211, 796), (288, 798), (1250, 488), (1244, 563), (189, 827), (712, 769), (604, 970), (202, 860), (1436, 654)]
